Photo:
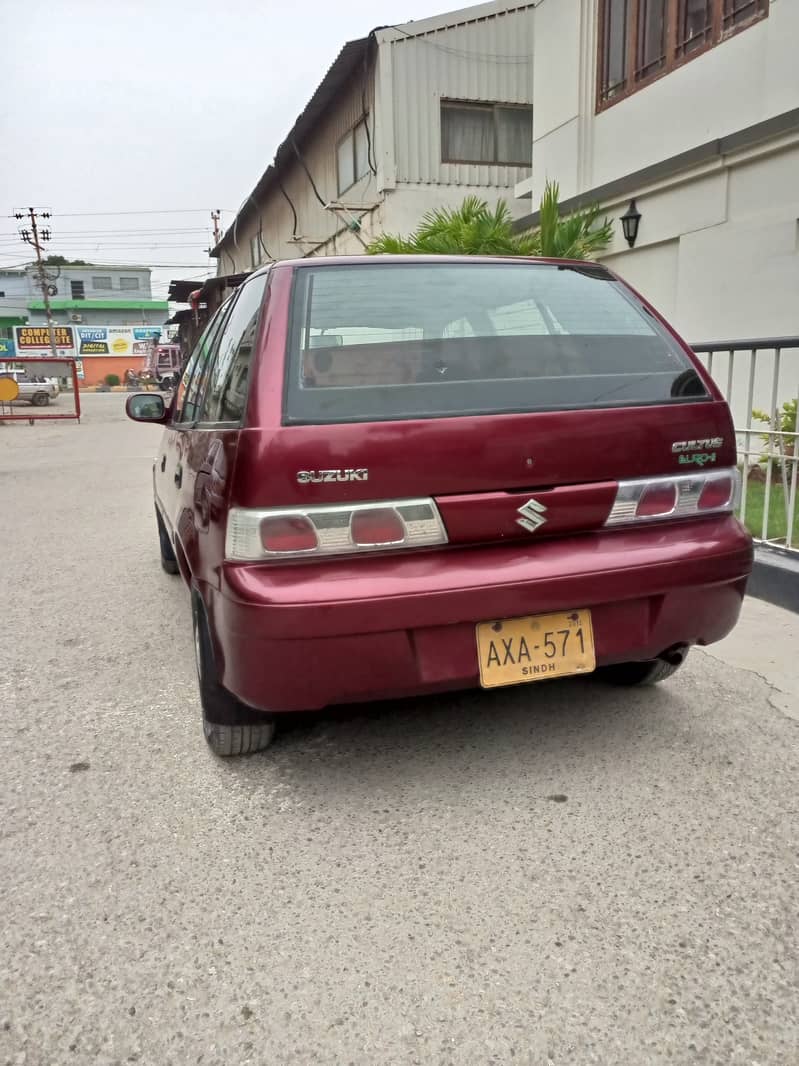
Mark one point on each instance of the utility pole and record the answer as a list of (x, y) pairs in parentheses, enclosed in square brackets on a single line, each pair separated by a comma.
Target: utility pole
[(215, 218), (35, 236)]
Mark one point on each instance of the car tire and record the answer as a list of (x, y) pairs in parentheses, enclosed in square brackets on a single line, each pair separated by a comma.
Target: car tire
[(169, 562), (40, 399), (229, 726), (651, 672)]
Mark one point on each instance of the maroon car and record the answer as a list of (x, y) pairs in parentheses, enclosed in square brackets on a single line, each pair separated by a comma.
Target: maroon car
[(390, 476)]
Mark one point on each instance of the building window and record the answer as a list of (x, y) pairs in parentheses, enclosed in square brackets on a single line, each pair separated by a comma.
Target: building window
[(101, 283), (352, 156), (493, 134), (78, 290), (639, 40), (738, 11), (694, 26), (128, 283)]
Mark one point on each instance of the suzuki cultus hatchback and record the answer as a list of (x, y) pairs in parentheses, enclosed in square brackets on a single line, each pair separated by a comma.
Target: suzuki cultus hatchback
[(389, 476)]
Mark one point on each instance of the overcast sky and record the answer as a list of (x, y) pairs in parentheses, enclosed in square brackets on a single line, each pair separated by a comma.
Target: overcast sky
[(158, 105)]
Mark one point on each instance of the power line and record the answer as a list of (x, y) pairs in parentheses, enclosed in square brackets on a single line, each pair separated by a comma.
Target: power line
[(76, 246), (424, 37), (120, 263), (118, 234), (138, 229), (160, 211), (62, 247)]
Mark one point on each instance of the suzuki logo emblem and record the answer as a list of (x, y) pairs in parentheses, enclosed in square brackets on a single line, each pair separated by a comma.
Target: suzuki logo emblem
[(532, 515)]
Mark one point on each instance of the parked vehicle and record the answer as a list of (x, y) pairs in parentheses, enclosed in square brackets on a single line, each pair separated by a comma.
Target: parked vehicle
[(164, 365), (392, 476), (33, 389)]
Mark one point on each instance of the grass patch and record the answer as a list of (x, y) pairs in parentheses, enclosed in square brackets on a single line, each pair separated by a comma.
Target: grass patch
[(777, 518)]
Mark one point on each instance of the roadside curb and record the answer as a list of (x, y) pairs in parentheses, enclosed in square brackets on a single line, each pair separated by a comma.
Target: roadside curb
[(115, 388), (775, 578)]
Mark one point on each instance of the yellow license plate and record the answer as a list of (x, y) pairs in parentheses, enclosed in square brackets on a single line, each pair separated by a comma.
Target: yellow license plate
[(515, 650)]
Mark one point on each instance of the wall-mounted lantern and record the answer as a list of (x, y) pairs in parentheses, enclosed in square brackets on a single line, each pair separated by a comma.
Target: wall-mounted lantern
[(629, 223)]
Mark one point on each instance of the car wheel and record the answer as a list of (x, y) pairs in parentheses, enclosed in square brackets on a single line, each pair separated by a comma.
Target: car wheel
[(647, 673), (40, 399), (168, 560), (230, 727)]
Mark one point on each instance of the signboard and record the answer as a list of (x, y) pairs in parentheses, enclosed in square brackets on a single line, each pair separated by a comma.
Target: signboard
[(7, 348), (85, 341), (35, 340), (117, 340)]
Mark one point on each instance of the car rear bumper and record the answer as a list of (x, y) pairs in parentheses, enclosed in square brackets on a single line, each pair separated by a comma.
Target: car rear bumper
[(299, 637)]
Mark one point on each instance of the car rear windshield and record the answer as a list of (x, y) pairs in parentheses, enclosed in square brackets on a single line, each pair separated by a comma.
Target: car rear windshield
[(383, 341)]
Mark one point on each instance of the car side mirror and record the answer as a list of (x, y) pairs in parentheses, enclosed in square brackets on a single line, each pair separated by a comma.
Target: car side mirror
[(147, 407)]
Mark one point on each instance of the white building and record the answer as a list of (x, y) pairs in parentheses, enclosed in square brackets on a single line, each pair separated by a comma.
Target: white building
[(408, 118), (691, 107), (80, 293)]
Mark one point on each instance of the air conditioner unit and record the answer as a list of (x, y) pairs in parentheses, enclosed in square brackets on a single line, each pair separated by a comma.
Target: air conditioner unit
[(76, 318)]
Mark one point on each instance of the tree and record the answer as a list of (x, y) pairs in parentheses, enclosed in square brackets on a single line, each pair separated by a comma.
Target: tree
[(781, 443), (60, 261), (476, 229)]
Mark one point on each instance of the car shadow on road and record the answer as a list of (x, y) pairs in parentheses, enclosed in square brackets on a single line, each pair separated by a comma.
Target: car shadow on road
[(465, 735)]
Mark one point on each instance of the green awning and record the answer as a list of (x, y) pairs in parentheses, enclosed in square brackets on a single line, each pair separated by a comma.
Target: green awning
[(101, 305)]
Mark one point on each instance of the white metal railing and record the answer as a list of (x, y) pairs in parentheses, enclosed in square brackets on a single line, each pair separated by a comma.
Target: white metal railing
[(762, 375)]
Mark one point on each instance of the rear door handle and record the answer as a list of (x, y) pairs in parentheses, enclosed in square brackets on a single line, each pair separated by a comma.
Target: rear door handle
[(179, 475)]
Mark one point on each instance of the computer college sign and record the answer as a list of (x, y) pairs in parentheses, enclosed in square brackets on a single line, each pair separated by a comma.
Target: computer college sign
[(35, 340)]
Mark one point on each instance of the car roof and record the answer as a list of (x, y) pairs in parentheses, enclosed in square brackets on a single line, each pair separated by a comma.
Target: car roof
[(388, 260)]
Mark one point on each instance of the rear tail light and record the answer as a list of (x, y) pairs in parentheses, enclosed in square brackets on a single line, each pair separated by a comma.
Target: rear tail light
[(653, 499), (657, 500), (293, 532), (377, 527), (287, 533), (717, 494)]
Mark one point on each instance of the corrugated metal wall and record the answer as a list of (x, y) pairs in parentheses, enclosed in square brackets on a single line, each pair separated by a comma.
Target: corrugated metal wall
[(314, 223), (489, 59)]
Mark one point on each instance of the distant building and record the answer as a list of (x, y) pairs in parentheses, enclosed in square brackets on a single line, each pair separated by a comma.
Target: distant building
[(186, 324), (407, 118), (97, 303), (99, 295), (81, 295), (14, 311)]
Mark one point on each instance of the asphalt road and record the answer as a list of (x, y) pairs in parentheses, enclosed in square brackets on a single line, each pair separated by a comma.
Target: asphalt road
[(559, 874)]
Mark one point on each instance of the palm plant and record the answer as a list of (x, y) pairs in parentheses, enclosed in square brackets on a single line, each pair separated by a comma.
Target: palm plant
[(474, 228), (578, 235)]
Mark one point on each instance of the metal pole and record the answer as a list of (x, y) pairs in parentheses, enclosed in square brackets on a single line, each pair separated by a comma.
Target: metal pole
[(43, 282)]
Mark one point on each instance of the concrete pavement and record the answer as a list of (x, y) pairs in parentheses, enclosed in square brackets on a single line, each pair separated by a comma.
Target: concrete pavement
[(563, 873)]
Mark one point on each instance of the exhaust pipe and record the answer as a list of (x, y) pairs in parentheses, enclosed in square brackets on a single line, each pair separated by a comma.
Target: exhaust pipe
[(675, 655)]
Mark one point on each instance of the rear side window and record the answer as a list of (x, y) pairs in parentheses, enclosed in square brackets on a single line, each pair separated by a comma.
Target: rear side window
[(383, 341), (190, 388), (226, 392)]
